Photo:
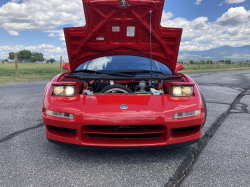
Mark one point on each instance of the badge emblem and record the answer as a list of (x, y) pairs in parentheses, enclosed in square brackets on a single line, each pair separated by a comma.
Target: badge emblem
[(124, 4), (124, 107)]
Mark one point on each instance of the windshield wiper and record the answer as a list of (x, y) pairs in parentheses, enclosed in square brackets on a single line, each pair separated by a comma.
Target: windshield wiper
[(130, 71), (88, 71), (98, 72)]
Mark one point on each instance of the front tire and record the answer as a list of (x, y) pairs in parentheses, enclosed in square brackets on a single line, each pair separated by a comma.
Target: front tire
[(205, 109)]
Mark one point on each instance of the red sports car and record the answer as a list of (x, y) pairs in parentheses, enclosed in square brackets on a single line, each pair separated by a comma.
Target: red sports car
[(122, 88)]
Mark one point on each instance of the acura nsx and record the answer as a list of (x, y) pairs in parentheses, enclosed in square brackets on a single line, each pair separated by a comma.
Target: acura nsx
[(122, 88)]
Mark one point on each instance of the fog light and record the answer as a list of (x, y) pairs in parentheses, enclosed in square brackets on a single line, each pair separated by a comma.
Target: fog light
[(59, 114), (187, 114)]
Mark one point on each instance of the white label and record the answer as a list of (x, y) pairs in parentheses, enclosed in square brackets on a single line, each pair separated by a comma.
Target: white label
[(99, 38), (115, 29), (131, 31)]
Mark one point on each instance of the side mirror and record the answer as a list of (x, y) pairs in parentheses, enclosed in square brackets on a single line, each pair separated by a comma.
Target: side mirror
[(66, 67), (178, 67)]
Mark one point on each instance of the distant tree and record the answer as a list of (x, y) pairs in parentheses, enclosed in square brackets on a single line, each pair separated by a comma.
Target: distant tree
[(24, 55), (5, 60), (51, 60), (36, 57), (191, 62), (203, 62), (211, 62), (11, 56)]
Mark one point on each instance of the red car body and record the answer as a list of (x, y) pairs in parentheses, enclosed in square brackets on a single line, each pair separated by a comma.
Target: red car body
[(99, 119)]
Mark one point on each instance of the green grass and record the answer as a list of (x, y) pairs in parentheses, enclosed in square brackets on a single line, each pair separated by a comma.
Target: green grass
[(195, 68), (214, 66), (211, 70), (29, 69), (28, 72), (36, 72)]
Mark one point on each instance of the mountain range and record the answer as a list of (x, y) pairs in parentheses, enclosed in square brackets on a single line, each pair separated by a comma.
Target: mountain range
[(220, 53)]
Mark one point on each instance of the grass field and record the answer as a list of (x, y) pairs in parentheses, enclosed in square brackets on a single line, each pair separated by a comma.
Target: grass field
[(28, 72), (37, 72), (215, 66)]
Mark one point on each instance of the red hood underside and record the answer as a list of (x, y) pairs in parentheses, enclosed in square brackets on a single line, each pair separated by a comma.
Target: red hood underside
[(122, 31)]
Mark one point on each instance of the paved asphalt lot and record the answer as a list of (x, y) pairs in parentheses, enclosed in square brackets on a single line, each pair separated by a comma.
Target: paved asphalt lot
[(221, 158)]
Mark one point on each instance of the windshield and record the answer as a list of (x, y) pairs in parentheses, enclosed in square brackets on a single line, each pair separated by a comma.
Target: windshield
[(118, 63)]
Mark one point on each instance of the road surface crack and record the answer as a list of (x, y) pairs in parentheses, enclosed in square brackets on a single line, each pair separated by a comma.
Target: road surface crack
[(14, 134), (218, 103), (186, 166)]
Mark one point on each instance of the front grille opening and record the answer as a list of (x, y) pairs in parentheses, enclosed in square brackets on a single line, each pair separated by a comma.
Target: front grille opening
[(185, 129), (127, 136), (73, 131), (125, 128)]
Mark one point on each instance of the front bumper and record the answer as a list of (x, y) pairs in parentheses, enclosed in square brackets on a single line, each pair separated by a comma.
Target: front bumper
[(175, 131), (149, 118), (123, 148)]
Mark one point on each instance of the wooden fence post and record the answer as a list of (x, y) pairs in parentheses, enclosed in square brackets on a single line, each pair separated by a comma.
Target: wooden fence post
[(217, 64), (60, 64), (16, 65), (188, 64)]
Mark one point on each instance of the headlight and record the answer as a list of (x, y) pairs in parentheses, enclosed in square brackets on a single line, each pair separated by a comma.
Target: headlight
[(64, 90), (69, 91), (58, 90), (177, 91), (182, 91)]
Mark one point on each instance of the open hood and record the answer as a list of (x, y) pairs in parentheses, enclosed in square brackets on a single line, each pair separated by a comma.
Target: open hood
[(122, 27)]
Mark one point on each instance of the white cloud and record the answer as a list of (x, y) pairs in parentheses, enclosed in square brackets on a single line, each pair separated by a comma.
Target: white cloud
[(59, 33), (48, 50), (37, 15), (234, 1), (243, 56), (232, 29), (51, 35), (234, 17), (166, 16), (13, 33), (198, 2)]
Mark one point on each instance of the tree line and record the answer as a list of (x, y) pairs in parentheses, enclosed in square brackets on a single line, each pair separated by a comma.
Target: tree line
[(206, 62), (28, 56)]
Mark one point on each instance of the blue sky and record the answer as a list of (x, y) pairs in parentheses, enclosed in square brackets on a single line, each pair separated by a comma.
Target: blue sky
[(208, 8), (37, 25)]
